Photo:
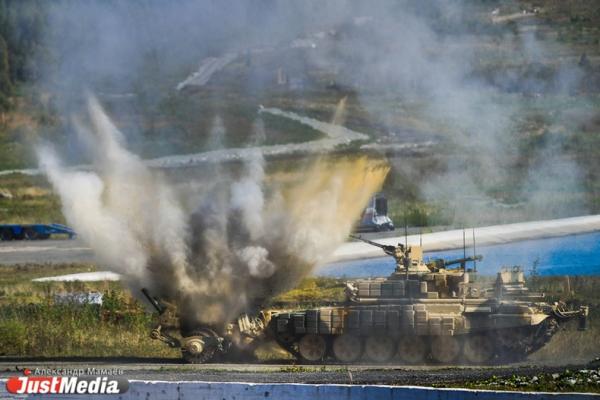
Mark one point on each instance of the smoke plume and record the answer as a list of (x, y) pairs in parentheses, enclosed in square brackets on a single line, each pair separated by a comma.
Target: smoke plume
[(215, 250), (415, 71)]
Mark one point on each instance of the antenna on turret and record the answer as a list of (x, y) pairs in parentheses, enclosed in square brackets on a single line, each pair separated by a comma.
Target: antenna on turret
[(474, 253), (464, 244), (407, 262), (405, 231)]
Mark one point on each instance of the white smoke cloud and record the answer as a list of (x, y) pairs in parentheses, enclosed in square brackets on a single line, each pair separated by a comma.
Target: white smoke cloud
[(437, 68), (83, 205), (257, 260), (247, 197), (216, 139), (259, 136), (442, 69), (214, 248)]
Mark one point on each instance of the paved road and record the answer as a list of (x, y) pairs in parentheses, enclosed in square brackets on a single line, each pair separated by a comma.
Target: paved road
[(68, 251), (172, 369), (44, 251)]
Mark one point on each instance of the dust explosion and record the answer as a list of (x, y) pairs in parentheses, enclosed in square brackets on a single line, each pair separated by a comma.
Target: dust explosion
[(213, 248)]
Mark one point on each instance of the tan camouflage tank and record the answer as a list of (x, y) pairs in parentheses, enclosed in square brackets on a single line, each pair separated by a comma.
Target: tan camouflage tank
[(425, 312)]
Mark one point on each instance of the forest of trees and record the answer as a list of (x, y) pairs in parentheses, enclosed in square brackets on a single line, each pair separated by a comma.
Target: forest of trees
[(21, 45)]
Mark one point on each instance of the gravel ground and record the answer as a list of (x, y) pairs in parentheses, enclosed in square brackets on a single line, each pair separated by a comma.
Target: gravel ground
[(172, 370)]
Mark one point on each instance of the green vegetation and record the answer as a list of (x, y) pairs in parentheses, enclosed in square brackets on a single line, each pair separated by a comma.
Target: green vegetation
[(23, 56), (15, 281), (5, 83), (49, 330), (296, 369), (33, 322), (185, 124), (583, 381), (312, 292), (28, 199)]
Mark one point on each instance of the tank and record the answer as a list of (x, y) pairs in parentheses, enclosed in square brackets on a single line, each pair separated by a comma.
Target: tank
[(422, 312), (425, 312)]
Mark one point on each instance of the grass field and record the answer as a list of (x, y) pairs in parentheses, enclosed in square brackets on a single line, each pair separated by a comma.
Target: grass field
[(32, 323), (31, 200)]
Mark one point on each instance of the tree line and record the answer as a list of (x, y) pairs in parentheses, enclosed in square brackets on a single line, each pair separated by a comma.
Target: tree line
[(22, 25)]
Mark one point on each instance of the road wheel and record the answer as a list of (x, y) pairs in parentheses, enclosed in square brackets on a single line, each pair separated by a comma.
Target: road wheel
[(347, 348), (445, 349), (312, 348), (478, 349), (200, 346), (412, 349), (380, 348), (511, 344)]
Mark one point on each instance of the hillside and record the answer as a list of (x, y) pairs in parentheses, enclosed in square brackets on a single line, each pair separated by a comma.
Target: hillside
[(516, 126)]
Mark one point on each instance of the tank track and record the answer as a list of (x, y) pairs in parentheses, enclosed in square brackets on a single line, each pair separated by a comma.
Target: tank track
[(510, 345), (515, 345)]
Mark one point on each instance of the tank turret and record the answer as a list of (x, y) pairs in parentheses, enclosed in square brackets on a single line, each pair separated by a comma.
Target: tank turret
[(413, 278)]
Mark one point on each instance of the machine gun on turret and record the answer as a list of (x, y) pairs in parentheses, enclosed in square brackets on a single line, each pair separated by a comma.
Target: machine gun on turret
[(389, 250), (408, 259), (441, 263), (402, 255)]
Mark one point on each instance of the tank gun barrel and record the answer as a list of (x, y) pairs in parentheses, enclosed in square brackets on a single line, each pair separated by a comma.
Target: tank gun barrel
[(386, 248), (155, 303), (441, 263)]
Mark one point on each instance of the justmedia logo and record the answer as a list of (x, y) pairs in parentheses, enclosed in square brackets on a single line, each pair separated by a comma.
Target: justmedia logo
[(29, 384)]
